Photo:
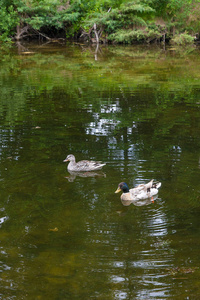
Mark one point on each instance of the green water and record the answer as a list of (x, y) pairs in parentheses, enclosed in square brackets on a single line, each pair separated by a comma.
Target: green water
[(64, 236)]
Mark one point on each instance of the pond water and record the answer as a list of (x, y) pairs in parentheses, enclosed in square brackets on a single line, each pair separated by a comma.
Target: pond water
[(69, 236)]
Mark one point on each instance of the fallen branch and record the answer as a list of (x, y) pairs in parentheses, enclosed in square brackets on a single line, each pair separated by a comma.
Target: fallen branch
[(21, 31), (42, 34)]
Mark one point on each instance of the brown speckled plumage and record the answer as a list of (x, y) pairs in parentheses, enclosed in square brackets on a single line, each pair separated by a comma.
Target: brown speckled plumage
[(83, 165)]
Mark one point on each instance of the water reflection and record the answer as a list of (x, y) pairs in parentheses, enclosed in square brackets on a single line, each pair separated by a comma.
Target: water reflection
[(140, 202), (123, 111), (103, 126), (73, 175), (3, 219), (144, 267), (158, 225)]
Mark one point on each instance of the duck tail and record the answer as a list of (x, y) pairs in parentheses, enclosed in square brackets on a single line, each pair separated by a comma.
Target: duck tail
[(156, 184)]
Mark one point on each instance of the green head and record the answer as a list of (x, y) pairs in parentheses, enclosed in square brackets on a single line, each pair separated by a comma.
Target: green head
[(122, 187)]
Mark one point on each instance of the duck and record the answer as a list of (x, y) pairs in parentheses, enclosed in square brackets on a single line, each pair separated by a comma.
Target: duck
[(83, 165), (141, 192)]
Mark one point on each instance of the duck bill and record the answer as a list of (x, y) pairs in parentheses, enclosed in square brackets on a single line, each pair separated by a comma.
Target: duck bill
[(118, 190), (65, 160)]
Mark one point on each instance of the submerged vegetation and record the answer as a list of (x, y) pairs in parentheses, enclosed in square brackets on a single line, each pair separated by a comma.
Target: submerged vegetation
[(116, 21)]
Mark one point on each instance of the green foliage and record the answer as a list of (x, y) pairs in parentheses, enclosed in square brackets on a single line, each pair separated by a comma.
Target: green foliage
[(128, 16), (57, 21), (124, 36), (105, 5), (48, 14), (178, 14), (131, 36), (121, 22), (113, 18), (159, 6), (37, 14), (135, 8), (8, 21), (182, 39), (193, 22), (181, 7)]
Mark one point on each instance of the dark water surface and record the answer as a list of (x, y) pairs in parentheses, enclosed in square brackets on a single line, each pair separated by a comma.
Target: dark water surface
[(64, 236)]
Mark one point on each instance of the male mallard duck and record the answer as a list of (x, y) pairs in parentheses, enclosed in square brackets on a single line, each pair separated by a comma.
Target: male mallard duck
[(83, 165), (142, 191)]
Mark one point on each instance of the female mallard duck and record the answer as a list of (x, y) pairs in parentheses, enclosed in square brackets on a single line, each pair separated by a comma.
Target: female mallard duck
[(83, 165), (142, 191)]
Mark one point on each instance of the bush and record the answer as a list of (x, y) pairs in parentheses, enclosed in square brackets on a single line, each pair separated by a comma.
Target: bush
[(138, 35), (9, 19), (182, 39), (123, 21)]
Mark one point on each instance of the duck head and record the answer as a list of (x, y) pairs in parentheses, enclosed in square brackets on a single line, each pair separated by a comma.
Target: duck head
[(122, 187), (69, 157)]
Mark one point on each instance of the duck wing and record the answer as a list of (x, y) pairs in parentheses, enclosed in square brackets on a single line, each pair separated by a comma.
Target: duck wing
[(89, 165), (144, 191)]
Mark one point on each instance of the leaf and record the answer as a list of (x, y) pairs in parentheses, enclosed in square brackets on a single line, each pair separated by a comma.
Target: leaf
[(54, 229)]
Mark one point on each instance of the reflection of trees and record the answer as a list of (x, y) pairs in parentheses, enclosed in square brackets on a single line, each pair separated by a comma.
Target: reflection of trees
[(53, 104), (131, 247), (148, 130), (128, 114)]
